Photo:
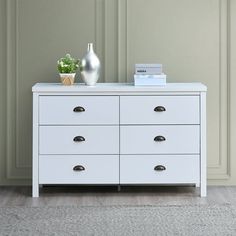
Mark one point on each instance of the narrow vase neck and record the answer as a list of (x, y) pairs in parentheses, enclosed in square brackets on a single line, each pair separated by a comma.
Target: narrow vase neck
[(90, 47)]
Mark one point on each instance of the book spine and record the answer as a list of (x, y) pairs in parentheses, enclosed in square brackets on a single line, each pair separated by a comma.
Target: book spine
[(148, 65), (148, 71)]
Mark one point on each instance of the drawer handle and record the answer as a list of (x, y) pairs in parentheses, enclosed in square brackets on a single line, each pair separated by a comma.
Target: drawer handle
[(159, 109), (159, 139), (78, 168), (79, 139), (159, 168), (79, 109)]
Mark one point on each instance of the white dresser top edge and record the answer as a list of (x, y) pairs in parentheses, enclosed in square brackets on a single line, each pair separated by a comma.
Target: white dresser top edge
[(118, 87)]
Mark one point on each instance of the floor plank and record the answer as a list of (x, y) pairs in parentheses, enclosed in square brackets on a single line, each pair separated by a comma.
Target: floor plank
[(100, 195)]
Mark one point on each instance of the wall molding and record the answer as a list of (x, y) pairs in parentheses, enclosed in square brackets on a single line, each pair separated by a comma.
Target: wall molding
[(18, 164), (13, 168), (221, 169), (122, 41), (100, 31)]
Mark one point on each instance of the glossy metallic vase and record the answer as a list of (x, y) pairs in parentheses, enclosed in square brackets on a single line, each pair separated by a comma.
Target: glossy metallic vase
[(90, 67)]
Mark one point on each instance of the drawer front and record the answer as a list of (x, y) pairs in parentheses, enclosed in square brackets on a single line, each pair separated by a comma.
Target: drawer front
[(159, 110), (79, 140), (162, 139), (97, 169), (136, 169), (78, 110)]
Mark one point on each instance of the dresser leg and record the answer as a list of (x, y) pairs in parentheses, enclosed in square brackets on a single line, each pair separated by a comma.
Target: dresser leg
[(203, 190), (118, 188), (35, 153), (35, 191), (203, 155)]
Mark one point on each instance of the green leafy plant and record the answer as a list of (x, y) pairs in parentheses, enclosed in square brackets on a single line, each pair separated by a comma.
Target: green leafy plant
[(68, 64)]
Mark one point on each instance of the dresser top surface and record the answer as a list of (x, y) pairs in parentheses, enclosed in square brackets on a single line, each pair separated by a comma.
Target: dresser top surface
[(118, 87)]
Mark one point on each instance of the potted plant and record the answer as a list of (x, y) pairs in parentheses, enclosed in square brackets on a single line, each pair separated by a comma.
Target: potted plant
[(67, 67)]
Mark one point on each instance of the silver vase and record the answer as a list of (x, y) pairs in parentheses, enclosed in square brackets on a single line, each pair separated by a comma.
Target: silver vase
[(90, 67)]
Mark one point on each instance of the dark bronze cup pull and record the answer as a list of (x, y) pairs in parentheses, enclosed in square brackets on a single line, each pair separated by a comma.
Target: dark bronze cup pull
[(159, 109), (159, 139), (159, 168), (78, 168), (79, 139), (79, 109)]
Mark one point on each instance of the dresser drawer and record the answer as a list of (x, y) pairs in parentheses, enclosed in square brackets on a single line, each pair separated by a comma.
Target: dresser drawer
[(78, 110), (160, 139), (69, 169), (159, 110), (148, 169), (79, 140)]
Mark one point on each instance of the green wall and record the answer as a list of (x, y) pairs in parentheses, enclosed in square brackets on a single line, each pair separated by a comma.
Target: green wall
[(195, 41)]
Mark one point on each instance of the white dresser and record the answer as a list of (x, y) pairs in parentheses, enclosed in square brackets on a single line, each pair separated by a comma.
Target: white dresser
[(119, 134)]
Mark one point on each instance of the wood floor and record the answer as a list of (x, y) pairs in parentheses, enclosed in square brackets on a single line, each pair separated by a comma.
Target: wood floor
[(93, 196)]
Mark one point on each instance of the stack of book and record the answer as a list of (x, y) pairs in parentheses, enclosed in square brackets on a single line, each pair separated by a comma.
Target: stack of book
[(149, 74)]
